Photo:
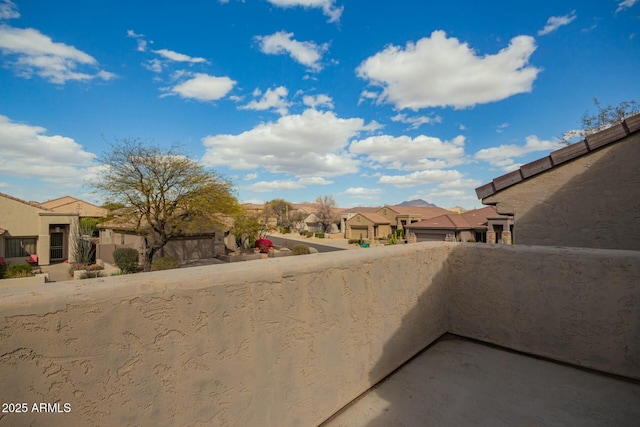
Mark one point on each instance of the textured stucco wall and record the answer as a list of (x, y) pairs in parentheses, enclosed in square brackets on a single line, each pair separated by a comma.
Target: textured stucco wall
[(593, 201), (289, 341), (274, 342), (579, 306)]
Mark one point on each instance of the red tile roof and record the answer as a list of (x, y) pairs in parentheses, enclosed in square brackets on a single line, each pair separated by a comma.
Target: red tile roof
[(476, 218), (375, 218)]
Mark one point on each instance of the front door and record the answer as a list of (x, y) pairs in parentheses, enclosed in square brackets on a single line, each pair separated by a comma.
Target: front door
[(56, 246)]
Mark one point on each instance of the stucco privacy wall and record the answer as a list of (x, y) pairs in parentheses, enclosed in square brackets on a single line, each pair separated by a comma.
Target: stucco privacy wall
[(575, 305), (289, 341), (592, 201), (276, 342)]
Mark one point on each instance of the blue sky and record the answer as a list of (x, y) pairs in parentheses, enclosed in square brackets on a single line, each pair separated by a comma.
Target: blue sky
[(372, 102)]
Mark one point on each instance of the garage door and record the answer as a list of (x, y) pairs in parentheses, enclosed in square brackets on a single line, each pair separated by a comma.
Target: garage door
[(430, 237), (359, 232)]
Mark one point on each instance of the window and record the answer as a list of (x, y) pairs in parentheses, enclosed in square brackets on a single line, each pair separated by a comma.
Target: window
[(15, 247)]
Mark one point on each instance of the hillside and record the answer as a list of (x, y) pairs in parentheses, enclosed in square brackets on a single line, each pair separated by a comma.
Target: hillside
[(418, 202)]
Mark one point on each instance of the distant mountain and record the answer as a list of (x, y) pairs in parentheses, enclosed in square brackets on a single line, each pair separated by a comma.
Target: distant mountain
[(418, 202)]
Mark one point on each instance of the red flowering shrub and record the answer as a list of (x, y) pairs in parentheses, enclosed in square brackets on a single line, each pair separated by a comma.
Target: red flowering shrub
[(264, 245)]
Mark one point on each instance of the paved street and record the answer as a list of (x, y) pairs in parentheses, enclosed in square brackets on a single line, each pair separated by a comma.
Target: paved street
[(322, 245)]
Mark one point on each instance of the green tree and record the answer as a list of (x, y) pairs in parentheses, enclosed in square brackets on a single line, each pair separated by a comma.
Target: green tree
[(279, 208), (165, 193), (604, 117), (246, 227)]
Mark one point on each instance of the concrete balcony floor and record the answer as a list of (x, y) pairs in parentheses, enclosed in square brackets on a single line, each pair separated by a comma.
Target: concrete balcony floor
[(457, 382)]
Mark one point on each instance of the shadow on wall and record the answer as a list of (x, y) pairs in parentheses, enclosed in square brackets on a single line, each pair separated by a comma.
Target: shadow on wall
[(511, 307), (598, 208)]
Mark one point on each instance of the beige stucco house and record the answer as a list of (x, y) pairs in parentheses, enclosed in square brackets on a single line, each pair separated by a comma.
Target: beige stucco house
[(385, 220), (31, 233), (71, 204), (401, 216), (347, 214), (584, 195), (479, 225), (367, 226)]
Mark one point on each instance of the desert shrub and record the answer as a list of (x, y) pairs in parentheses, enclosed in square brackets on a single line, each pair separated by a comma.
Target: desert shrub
[(471, 240), (18, 270), (165, 263), (300, 249), (126, 259), (303, 232), (313, 251), (354, 241), (320, 235)]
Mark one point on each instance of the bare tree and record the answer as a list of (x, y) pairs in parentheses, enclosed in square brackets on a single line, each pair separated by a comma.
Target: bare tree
[(605, 117), (165, 193), (324, 212)]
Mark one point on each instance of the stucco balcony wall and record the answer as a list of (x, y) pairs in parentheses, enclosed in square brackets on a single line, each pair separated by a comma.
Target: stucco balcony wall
[(290, 341), (274, 342)]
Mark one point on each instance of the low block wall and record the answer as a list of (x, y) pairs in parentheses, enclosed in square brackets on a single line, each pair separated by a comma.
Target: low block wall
[(38, 279), (289, 341)]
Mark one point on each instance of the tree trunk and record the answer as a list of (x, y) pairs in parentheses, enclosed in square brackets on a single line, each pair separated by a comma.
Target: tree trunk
[(149, 251)]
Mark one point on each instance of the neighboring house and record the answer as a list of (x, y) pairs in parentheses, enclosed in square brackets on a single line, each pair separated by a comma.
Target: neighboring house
[(31, 233), (389, 218), (401, 216), (367, 226), (187, 247), (480, 225), (71, 204), (586, 194), (345, 215)]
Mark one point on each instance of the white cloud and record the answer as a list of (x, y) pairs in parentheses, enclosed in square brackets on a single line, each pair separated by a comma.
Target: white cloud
[(314, 180), (406, 153), (142, 43), (309, 144), (277, 185), (27, 152), (420, 178), (308, 54), (288, 184), (250, 176), (463, 184), (154, 65), (438, 71), (318, 101), (503, 155), (8, 10), (361, 191), (367, 95), (415, 121), (178, 57), (38, 54), (626, 4), (556, 22), (203, 87), (272, 99), (502, 127), (328, 6)]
